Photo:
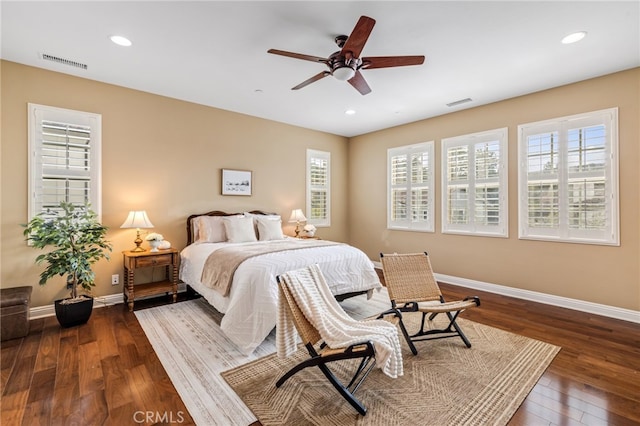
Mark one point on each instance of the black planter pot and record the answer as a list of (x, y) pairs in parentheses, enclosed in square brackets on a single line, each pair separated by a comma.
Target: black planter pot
[(72, 314)]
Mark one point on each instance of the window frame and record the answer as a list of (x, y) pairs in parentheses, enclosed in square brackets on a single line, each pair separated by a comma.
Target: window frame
[(408, 224), (473, 182), (326, 221), (610, 233), (36, 115)]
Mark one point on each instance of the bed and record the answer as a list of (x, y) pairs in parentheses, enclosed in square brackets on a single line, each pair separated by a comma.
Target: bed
[(250, 304)]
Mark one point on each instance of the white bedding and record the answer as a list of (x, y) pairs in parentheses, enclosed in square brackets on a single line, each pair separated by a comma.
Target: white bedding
[(250, 310)]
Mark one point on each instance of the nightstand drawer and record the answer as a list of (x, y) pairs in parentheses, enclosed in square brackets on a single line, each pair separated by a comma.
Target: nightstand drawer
[(159, 260)]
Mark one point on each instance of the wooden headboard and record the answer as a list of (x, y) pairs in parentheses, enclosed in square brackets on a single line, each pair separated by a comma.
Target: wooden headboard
[(190, 219)]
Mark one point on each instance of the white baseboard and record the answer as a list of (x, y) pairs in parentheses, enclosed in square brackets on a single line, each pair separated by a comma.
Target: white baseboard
[(548, 299), (98, 302), (534, 296)]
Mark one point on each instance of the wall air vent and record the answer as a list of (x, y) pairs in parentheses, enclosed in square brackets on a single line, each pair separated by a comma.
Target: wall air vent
[(64, 61), (461, 101)]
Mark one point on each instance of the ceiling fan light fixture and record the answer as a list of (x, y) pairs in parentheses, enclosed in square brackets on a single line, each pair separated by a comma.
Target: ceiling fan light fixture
[(344, 73)]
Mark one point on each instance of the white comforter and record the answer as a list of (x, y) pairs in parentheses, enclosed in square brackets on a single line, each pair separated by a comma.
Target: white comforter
[(251, 307)]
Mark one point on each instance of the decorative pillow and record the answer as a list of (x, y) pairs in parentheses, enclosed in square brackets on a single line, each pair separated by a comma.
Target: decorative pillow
[(195, 228), (269, 228), (257, 217), (210, 229), (239, 229)]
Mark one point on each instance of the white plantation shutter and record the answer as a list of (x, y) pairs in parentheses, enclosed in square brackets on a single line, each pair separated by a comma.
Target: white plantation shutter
[(318, 188), (457, 193), (488, 185), (64, 160), (568, 178), (398, 171), (474, 184), (410, 187)]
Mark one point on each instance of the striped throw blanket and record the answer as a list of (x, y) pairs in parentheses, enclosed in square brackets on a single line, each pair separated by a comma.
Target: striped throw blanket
[(337, 329)]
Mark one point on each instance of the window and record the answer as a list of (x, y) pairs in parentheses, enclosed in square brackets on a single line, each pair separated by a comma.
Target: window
[(568, 179), (318, 188), (474, 184), (410, 187), (64, 158)]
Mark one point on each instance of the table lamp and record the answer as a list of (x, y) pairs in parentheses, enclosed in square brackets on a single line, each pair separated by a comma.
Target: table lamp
[(297, 216), (137, 219)]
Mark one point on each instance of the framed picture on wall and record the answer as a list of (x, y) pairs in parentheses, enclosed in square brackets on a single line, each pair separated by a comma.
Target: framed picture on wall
[(236, 182)]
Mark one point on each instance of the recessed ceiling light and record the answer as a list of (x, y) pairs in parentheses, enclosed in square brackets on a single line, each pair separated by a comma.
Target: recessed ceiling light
[(573, 37), (350, 111), (121, 41)]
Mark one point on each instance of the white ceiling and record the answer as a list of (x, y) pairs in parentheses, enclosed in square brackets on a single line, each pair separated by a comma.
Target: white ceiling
[(215, 53)]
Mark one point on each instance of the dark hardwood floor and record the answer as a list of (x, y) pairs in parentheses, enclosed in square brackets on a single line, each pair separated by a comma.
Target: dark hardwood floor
[(105, 372), (594, 379)]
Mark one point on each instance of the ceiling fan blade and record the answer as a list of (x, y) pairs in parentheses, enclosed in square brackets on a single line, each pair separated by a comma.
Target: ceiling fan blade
[(358, 37), (390, 61), (298, 56), (360, 83), (313, 79)]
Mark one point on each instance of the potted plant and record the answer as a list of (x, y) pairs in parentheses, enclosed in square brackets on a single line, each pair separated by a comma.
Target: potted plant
[(78, 240)]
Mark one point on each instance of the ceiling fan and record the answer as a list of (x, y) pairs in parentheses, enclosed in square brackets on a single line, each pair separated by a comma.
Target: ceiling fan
[(345, 65)]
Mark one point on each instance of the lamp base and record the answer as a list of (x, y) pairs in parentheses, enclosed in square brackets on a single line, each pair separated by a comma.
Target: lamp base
[(138, 242)]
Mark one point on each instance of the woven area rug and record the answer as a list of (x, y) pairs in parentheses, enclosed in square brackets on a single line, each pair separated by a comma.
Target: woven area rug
[(445, 384), (193, 350)]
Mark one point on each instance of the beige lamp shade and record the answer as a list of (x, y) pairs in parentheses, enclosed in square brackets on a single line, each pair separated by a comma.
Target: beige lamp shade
[(297, 216), (137, 219)]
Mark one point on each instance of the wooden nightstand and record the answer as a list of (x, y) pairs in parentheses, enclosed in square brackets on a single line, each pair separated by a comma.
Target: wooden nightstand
[(136, 260)]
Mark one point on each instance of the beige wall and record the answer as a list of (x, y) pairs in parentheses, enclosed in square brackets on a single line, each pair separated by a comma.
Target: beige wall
[(191, 143), (600, 274), (161, 155)]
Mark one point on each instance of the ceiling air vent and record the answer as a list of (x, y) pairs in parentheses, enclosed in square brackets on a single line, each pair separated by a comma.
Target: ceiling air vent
[(64, 61), (456, 103)]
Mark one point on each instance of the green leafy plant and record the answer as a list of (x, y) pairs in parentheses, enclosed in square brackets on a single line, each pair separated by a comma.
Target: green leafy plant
[(78, 240)]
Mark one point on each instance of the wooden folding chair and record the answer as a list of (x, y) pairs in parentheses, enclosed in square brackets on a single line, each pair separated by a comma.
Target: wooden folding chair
[(324, 354), (412, 287)]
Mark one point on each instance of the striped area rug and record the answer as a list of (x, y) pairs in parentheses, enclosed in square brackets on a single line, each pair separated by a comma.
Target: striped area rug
[(445, 384), (194, 351)]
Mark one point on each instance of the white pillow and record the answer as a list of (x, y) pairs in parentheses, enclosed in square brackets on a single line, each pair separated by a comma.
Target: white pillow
[(211, 229), (239, 229), (256, 217), (269, 228)]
